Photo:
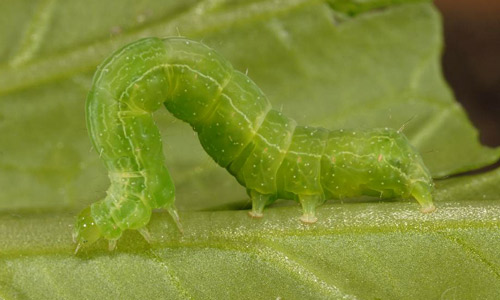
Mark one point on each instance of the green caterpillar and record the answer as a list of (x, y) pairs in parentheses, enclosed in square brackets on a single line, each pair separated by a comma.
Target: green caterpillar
[(267, 152)]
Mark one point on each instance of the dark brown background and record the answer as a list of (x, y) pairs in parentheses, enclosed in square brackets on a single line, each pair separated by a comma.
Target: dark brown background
[(471, 61)]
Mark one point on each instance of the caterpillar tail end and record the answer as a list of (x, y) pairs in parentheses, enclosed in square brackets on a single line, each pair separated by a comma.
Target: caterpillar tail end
[(422, 193), (86, 231)]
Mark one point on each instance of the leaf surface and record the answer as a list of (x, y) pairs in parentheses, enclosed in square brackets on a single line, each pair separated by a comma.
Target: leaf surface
[(384, 250), (336, 64)]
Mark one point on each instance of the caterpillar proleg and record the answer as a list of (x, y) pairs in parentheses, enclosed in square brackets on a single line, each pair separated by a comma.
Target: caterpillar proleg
[(267, 152)]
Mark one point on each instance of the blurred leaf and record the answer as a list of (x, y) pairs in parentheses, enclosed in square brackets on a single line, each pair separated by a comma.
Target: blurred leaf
[(376, 69), (335, 64)]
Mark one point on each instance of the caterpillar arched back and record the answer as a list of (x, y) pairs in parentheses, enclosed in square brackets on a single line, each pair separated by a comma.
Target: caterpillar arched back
[(267, 152)]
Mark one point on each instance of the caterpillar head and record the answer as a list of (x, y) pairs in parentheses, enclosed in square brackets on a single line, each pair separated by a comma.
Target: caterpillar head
[(86, 231)]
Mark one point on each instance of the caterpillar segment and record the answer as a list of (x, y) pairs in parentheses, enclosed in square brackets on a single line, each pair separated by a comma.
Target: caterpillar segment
[(267, 152)]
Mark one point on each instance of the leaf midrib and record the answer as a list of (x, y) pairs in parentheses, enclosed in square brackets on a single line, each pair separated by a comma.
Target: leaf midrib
[(207, 228)]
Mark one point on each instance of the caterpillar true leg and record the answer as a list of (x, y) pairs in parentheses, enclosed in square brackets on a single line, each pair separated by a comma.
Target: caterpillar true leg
[(145, 234), (112, 244), (266, 151), (175, 216), (85, 227)]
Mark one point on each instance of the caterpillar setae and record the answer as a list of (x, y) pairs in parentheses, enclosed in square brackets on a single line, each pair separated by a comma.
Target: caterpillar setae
[(267, 152)]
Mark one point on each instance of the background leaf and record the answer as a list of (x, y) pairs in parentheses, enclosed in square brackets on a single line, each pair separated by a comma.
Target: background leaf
[(336, 64), (321, 66)]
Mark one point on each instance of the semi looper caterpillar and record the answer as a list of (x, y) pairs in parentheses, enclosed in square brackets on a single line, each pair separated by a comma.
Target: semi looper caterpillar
[(267, 152)]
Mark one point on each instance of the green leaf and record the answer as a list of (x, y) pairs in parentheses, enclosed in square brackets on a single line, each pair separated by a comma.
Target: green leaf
[(336, 64), (356, 250), (376, 69)]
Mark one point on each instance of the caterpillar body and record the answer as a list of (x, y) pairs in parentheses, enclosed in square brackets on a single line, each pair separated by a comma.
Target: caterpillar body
[(267, 152)]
